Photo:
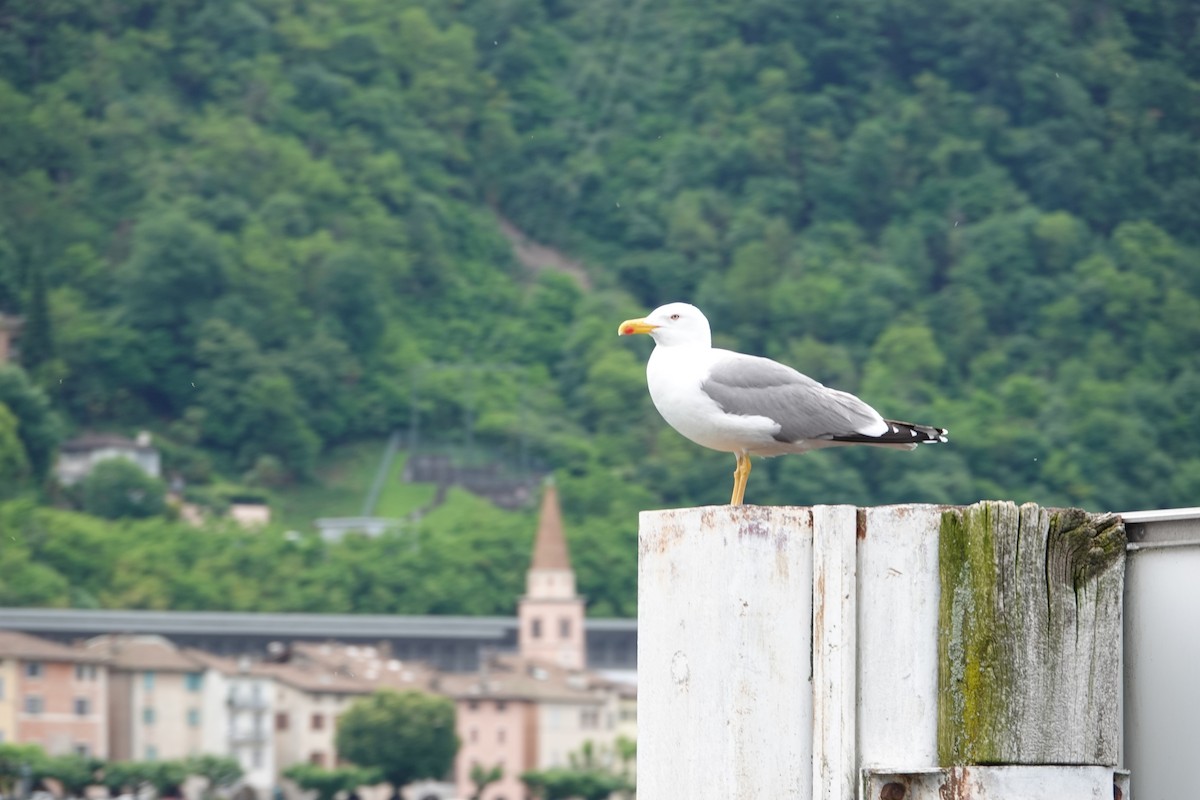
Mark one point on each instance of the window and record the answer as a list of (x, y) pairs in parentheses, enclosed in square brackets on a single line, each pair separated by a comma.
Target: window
[(316, 759), (34, 704), (82, 707), (151, 753), (589, 719), (148, 681), (33, 669), (500, 736), (281, 721), (193, 718), (148, 716), (536, 628), (472, 705), (82, 749), (193, 681), (564, 628), (85, 672), (256, 759), (474, 735), (318, 722), (1, 688)]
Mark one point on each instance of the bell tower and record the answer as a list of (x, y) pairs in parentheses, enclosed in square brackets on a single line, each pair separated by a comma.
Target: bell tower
[(550, 614)]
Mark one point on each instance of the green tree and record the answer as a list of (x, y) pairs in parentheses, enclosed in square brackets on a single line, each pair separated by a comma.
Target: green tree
[(166, 777), (219, 772), (586, 778), (14, 464), (405, 735), (117, 487), (176, 269), (327, 783), (483, 777), (38, 425), (17, 761), (76, 773)]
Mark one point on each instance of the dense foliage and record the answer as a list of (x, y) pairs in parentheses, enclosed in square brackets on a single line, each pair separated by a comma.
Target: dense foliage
[(405, 736), (77, 773), (265, 227)]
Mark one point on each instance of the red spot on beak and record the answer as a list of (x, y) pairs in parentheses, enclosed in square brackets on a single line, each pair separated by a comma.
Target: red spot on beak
[(627, 330)]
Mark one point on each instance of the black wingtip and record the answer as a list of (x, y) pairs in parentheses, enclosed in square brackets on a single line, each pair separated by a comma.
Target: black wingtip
[(901, 433)]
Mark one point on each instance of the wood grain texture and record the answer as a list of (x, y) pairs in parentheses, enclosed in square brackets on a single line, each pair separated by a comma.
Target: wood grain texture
[(1029, 635)]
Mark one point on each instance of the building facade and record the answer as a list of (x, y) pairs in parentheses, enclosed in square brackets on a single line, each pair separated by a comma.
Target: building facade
[(536, 708), (52, 696), (156, 698), (237, 711)]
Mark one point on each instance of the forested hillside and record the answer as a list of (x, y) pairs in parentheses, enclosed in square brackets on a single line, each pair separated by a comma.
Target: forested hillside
[(264, 228)]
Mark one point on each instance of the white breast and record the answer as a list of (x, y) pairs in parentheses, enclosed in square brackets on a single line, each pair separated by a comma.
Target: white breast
[(674, 375)]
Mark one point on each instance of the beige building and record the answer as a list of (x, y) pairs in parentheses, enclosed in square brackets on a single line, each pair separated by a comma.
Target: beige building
[(8, 699), (536, 708), (52, 696), (550, 615), (155, 699)]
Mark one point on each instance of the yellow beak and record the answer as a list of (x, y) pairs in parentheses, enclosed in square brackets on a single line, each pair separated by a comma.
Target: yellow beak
[(632, 326)]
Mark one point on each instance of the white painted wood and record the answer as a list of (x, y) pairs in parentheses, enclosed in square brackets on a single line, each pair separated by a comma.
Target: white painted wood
[(897, 636), (782, 651), (724, 648), (834, 651)]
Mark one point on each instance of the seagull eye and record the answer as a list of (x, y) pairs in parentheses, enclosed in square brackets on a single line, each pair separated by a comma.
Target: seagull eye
[(674, 316)]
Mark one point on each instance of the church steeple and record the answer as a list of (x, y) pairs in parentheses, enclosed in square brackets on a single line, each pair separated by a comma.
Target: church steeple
[(550, 546), (550, 615)]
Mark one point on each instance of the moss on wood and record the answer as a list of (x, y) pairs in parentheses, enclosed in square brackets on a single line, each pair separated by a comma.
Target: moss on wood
[(1015, 646)]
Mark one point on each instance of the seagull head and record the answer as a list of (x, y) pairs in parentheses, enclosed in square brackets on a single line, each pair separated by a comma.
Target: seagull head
[(671, 325)]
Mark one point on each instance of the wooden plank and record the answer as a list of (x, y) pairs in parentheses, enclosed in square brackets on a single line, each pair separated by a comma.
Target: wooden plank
[(724, 648), (1029, 635), (834, 651), (897, 636)]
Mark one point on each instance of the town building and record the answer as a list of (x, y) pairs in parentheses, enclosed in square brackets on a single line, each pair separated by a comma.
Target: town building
[(155, 698), (238, 710), (535, 708), (550, 615), (52, 696), (79, 456)]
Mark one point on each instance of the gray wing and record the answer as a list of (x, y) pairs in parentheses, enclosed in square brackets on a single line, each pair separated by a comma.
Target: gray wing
[(804, 408)]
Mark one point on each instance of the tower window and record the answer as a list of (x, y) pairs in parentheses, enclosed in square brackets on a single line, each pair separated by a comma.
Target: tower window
[(564, 628), (536, 628)]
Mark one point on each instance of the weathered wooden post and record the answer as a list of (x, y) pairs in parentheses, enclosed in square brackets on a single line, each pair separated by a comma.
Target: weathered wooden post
[(900, 652)]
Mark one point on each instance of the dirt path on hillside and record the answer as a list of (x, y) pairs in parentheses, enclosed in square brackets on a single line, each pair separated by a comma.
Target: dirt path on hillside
[(537, 256)]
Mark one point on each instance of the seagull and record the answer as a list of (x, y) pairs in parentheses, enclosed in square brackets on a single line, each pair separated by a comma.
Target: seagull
[(749, 405)]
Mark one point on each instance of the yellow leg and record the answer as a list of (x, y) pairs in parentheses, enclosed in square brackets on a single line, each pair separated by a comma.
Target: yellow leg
[(741, 474)]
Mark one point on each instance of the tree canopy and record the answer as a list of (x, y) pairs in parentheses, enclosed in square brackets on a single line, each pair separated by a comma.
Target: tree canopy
[(265, 229), (405, 736)]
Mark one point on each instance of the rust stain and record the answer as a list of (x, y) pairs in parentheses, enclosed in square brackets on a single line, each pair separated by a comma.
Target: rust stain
[(752, 523), (956, 786), (860, 523), (669, 532)]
